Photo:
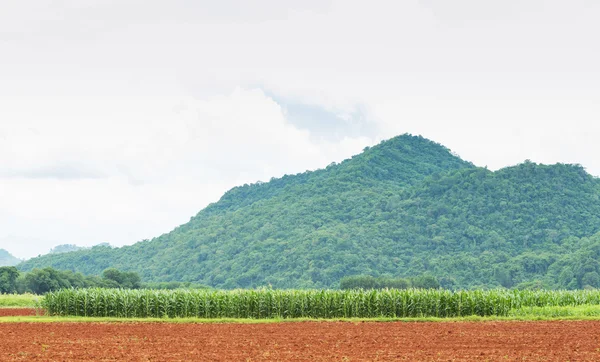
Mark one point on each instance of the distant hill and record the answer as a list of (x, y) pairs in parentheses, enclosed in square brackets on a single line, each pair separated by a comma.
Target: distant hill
[(405, 207), (65, 248), (6, 259)]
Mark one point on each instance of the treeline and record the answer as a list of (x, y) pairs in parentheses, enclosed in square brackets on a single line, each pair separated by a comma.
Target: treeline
[(42, 281), (370, 282)]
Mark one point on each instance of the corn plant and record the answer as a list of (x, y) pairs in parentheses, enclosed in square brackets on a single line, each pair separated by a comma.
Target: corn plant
[(268, 303)]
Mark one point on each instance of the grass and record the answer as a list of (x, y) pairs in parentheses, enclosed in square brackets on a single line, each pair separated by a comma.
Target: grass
[(19, 300), (581, 311)]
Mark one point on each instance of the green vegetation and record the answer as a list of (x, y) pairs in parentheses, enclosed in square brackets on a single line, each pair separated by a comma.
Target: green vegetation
[(266, 303), (552, 312), (19, 301), (173, 285), (41, 281), (7, 259), (369, 282), (8, 279), (404, 208), (327, 304)]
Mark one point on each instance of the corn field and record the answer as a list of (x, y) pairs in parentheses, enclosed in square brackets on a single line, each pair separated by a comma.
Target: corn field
[(267, 303)]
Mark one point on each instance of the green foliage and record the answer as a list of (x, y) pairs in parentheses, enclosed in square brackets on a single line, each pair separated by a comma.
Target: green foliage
[(270, 303), (359, 282), (19, 301), (128, 280), (8, 280), (577, 312), (42, 281), (369, 282), (173, 285), (405, 207), (425, 282)]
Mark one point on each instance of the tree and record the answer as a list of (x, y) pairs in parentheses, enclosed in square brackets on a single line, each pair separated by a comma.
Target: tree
[(127, 280), (8, 280), (590, 280), (503, 277), (426, 282), (358, 282), (369, 282), (42, 281), (114, 275)]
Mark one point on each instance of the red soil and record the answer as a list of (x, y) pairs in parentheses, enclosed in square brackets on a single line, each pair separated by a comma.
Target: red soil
[(302, 341), (13, 312)]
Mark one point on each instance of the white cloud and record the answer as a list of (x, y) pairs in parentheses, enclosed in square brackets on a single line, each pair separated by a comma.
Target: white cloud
[(118, 120), (108, 169)]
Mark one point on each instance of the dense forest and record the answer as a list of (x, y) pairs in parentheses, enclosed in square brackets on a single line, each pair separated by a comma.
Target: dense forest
[(7, 259), (404, 208)]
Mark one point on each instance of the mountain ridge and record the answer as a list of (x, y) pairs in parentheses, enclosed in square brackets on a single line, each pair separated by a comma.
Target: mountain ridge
[(357, 165), (405, 207), (7, 259)]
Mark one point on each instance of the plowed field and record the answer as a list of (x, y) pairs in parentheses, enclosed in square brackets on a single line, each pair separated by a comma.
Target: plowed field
[(302, 341), (13, 312)]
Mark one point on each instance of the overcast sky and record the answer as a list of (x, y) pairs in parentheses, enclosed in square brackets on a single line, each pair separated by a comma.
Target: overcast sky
[(119, 120)]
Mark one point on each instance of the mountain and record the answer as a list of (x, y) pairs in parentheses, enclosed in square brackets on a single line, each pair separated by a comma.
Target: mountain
[(65, 248), (405, 207), (6, 259)]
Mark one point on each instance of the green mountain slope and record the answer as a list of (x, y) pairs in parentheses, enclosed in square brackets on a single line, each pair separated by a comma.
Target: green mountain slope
[(403, 208), (6, 259)]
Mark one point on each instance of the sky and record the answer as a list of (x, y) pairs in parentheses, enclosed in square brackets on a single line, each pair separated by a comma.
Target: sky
[(119, 120)]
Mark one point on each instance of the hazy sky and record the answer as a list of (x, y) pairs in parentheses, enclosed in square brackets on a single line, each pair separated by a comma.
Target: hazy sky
[(119, 120)]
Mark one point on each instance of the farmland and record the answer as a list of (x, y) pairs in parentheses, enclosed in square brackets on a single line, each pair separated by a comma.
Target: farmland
[(18, 312), (321, 325), (302, 341), (15, 305)]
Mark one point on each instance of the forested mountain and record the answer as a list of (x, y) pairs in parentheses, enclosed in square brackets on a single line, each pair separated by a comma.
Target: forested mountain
[(7, 259), (405, 207)]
